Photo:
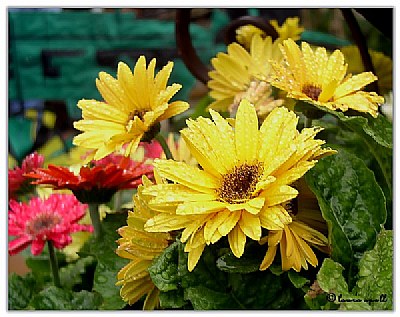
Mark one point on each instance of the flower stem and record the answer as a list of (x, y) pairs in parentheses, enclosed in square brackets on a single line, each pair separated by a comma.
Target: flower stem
[(164, 146), (53, 264), (117, 200), (308, 122), (95, 218)]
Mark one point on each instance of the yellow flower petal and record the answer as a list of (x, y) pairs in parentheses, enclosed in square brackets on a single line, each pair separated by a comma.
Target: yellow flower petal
[(246, 133), (187, 175), (277, 194), (213, 224), (250, 225), (274, 218), (354, 83), (199, 207), (166, 223), (194, 257), (229, 223), (237, 241), (268, 258), (173, 109)]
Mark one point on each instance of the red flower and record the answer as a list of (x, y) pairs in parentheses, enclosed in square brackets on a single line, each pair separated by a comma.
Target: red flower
[(40, 220), (18, 184), (98, 183), (152, 150)]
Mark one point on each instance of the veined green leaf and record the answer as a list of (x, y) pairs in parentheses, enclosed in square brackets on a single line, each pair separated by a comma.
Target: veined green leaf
[(351, 202), (54, 298), (376, 273), (108, 262), (164, 269), (203, 298), (332, 282), (172, 299), (20, 290)]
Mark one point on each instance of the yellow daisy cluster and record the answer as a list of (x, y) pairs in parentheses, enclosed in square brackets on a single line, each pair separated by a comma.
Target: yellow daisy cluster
[(140, 247), (133, 106), (243, 183), (320, 78), (289, 29), (240, 74)]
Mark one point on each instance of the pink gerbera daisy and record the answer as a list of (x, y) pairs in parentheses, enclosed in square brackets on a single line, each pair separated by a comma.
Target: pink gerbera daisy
[(38, 221)]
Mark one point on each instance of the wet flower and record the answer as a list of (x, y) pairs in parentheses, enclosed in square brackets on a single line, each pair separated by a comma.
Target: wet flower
[(134, 106), (245, 177), (314, 76), (140, 247), (289, 29), (18, 184), (38, 221), (98, 182), (296, 238), (240, 74)]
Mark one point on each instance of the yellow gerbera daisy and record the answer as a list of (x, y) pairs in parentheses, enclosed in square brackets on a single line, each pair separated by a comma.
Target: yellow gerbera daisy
[(383, 66), (240, 74), (133, 107), (314, 76), (140, 247), (295, 238), (245, 177), (289, 29)]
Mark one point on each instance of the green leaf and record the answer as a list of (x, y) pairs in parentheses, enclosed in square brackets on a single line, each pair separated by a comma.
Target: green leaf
[(71, 274), (297, 280), (331, 281), (376, 273), (164, 269), (246, 264), (377, 133), (351, 202), (20, 290), (276, 269), (205, 273), (376, 157), (203, 298), (172, 299), (108, 262), (379, 129), (260, 290), (54, 298)]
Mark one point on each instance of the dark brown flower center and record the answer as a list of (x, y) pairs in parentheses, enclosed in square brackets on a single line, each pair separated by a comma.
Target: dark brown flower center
[(239, 184), (42, 222), (311, 91), (137, 113), (292, 206)]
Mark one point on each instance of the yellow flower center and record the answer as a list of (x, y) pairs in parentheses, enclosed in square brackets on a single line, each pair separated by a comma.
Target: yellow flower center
[(311, 91), (239, 184), (42, 222)]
